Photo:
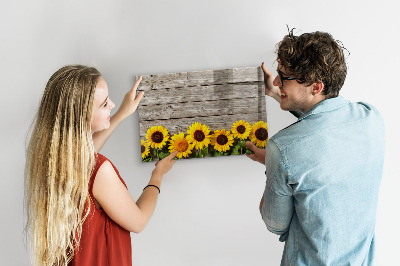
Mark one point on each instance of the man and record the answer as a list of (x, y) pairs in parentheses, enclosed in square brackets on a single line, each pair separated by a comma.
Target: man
[(323, 171)]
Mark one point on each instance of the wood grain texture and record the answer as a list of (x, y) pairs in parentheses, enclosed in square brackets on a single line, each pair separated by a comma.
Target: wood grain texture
[(201, 78), (216, 98), (202, 93), (201, 109)]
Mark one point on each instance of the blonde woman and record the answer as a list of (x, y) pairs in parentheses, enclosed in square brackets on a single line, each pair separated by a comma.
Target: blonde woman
[(79, 211)]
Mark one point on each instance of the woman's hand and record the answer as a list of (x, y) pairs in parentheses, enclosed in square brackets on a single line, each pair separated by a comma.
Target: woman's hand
[(131, 101), (163, 166), (128, 107), (270, 89)]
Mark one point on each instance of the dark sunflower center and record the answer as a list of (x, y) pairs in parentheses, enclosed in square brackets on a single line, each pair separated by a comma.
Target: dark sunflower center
[(261, 134), (222, 139), (143, 148), (157, 137), (241, 129), (199, 135)]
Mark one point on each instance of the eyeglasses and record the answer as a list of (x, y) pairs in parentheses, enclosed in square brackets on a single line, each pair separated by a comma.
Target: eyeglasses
[(282, 78)]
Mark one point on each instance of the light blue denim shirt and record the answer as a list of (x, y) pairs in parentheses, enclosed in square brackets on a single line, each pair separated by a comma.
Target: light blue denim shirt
[(323, 176)]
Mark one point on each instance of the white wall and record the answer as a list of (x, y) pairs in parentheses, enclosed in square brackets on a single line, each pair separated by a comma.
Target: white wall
[(208, 208)]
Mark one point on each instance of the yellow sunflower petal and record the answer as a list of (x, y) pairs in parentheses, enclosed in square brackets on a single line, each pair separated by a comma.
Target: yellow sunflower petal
[(241, 129), (181, 144), (157, 136), (222, 140), (199, 135), (145, 148), (259, 134)]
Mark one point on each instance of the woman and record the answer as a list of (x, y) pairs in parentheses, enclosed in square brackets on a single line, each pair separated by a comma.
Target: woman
[(78, 207)]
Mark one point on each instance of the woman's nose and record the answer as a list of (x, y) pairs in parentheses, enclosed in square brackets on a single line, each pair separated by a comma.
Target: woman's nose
[(112, 105)]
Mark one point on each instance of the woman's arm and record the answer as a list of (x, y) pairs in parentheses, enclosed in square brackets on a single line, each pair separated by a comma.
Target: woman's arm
[(128, 107), (116, 201)]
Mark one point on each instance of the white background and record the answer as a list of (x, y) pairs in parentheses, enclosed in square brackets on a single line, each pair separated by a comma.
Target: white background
[(208, 208)]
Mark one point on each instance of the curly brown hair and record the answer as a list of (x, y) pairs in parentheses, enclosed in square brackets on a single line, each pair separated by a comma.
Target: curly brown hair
[(314, 57)]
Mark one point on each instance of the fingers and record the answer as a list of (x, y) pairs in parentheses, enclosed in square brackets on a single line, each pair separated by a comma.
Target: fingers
[(172, 155), (252, 156), (251, 146), (132, 93), (265, 69), (169, 158), (137, 82), (139, 96), (163, 166), (135, 86)]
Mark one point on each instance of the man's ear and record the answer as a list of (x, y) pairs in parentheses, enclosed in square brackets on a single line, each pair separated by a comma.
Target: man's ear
[(317, 88)]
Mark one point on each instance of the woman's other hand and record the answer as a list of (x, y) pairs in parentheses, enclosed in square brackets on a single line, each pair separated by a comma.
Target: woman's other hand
[(163, 166)]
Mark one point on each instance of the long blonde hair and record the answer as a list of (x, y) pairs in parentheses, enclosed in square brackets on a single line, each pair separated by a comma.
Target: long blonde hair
[(59, 161)]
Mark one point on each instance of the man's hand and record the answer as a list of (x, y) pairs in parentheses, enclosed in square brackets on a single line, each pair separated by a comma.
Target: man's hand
[(270, 89), (259, 154)]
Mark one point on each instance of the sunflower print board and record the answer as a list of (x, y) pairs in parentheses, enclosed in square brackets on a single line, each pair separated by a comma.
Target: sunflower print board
[(202, 113)]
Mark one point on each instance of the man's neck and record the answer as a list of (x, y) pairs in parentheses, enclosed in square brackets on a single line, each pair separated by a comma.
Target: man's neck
[(316, 100)]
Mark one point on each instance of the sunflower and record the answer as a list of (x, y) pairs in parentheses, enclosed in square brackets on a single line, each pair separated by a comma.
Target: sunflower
[(259, 134), (157, 136), (222, 140), (181, 144), (145, 148), (198, 134), (241, 129)]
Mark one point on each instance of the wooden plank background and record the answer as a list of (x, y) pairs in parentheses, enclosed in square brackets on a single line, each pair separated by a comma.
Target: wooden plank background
[(216, 98)]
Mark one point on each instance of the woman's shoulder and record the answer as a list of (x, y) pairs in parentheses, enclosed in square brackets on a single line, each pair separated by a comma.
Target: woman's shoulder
[(99, 161), (100, 158), (105, 167), (102, 165)]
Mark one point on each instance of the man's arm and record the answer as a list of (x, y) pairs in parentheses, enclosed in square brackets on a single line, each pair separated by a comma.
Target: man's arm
[(270, 89), (274, 91), (276, 206), (128, 107)]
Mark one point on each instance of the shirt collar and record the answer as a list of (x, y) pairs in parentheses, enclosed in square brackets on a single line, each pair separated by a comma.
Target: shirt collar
[(325, 106)]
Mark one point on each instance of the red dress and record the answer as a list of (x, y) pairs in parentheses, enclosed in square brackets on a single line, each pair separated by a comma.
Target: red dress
[(103, 241)]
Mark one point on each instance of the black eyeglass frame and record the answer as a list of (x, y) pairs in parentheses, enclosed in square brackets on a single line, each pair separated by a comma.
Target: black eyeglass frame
[(282, 78)]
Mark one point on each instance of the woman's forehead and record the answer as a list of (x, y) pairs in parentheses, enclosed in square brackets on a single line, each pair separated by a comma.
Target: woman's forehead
[(101, 91)]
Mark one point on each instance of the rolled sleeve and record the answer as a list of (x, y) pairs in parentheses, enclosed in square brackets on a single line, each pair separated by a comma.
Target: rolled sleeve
[(277, 209)]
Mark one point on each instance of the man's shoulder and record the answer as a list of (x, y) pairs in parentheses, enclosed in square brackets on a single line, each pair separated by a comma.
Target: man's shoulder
[(366, 113), (288, 135), (324, 122), (367, 108)]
